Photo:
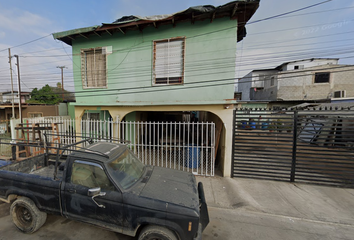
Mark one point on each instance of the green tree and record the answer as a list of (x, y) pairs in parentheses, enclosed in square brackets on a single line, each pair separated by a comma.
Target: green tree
[(45, 95)]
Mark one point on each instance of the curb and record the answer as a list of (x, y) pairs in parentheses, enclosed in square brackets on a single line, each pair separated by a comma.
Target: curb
[(4, 209)]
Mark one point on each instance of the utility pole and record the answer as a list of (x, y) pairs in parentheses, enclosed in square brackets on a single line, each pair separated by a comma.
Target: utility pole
[(19, 87), (12, 86), (62, 81)]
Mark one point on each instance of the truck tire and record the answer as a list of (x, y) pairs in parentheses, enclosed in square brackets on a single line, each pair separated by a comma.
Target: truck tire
[(157, 233), (26, 216)]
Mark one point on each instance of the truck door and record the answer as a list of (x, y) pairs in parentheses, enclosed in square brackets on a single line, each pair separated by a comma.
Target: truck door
[(105, 209)]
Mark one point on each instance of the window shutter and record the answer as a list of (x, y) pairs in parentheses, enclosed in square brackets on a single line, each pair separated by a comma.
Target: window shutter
[(93, 68), (169, 60)]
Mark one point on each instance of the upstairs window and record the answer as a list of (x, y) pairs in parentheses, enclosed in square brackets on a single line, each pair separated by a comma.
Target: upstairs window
[(169, 61), (322, 77), (298, 67), (93, 68)]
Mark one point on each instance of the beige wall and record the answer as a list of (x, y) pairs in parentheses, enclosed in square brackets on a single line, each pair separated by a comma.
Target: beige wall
[(47, 110), (225, 115)]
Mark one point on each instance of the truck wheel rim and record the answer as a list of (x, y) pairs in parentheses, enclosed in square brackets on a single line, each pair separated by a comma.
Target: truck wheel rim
[(25, 216)]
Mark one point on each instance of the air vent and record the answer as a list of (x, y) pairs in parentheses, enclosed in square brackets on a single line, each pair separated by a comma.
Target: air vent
[(339, 94)]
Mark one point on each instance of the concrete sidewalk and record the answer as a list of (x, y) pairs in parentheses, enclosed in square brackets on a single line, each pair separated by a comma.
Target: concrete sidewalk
[(298, 201)]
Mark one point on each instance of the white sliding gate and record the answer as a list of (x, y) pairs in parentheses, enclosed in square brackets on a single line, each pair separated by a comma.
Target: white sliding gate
[(177, 145)]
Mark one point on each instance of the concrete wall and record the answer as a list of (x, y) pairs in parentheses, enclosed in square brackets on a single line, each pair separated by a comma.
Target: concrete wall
[(209, 59), (299, 85), (63, 109), (261, 81), (244, 86)]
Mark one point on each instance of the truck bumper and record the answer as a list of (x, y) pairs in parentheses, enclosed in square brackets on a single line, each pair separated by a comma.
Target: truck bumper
[(204, 215), (199, 233)]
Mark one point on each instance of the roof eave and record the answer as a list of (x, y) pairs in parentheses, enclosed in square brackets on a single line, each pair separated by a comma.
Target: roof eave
[(242, 10)]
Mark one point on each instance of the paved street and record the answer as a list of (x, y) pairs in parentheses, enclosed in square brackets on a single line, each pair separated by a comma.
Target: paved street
[(239, 209)]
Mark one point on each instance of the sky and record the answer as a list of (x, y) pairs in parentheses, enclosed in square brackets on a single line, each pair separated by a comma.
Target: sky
[(323, 31)]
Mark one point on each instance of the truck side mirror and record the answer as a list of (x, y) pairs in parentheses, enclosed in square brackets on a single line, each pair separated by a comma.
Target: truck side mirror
[(96, 192), (93, 192)]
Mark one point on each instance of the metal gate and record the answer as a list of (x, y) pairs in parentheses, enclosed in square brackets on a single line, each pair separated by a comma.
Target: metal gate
[(178, 145), (303, 146)]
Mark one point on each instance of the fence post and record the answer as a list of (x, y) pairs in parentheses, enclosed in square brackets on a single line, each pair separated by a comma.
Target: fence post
[(233, 144), (293, 163)]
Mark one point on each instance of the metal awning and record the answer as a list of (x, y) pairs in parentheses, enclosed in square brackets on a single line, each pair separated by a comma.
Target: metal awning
[(242, 10)]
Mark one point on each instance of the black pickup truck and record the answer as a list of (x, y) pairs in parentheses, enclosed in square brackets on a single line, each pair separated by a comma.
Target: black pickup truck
[(105, 184)]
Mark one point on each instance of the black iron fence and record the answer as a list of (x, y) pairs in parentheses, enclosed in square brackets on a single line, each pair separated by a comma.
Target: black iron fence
[(314, 146)]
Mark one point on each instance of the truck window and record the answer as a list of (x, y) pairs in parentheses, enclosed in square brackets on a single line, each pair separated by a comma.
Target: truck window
[(126, 169), (90, 176)]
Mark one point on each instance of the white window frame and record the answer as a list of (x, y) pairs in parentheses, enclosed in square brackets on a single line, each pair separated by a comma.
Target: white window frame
[(96, 78), (34, 114), (169, 70)]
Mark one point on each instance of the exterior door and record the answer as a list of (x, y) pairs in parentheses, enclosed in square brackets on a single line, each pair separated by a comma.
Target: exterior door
[(104, 210)]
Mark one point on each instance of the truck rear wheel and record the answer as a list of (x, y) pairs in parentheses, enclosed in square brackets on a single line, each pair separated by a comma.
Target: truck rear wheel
[(157, 233), (26, 215)]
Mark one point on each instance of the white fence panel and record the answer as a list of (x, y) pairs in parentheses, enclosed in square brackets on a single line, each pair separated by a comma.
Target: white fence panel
[(178, 145)]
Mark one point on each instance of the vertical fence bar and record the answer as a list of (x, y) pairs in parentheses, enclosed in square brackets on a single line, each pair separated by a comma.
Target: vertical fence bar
[(179, 145), (166, 161), (138, 139), (188, 148), (146, 142), (130, 134), (150, 143), (233, 144), (170, 142), (158, 143), (154, 143), (207, 152), (202, 149), (293, 162), (134, 137), (175, 148), (198, 148), (212, 169)]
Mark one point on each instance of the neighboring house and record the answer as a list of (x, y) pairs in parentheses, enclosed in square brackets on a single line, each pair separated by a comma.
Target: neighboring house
[(27, 110), (315, 79), (162, 68), (7, 97)]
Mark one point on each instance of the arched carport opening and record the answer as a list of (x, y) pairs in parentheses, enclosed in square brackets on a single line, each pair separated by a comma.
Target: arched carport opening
[(175, 138)]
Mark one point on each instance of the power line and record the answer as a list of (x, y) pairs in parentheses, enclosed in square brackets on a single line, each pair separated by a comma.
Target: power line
[(27, 42), (287, 13), (220, 82)]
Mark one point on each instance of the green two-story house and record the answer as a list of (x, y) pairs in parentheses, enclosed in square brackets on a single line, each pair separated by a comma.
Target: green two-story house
[(162, 67)]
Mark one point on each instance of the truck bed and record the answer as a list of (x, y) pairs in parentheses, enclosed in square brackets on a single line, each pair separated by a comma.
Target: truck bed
[(37, 165)]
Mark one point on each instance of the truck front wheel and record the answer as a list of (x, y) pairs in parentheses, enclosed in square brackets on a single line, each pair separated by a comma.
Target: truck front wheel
[(157, 233), (26, 215)]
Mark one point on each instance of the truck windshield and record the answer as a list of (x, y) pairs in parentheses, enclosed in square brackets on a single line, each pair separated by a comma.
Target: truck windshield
[(126, 169)]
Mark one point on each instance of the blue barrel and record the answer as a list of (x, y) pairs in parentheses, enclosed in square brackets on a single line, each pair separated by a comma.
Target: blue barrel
[(265, 125), (192, 156)]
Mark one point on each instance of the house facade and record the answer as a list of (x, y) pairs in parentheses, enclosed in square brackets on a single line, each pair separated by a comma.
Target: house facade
[(143, 69), (313, 79)]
